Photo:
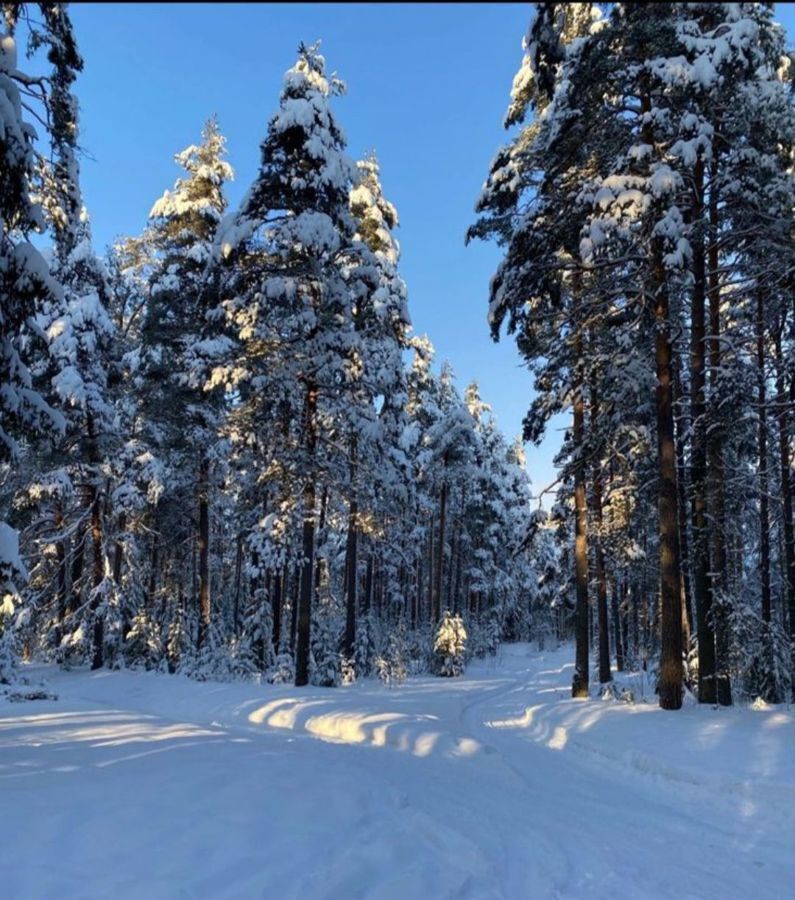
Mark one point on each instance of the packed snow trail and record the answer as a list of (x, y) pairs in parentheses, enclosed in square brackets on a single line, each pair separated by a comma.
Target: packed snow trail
[(495, 785)]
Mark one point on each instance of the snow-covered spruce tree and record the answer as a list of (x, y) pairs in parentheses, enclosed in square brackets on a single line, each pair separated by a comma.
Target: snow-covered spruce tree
[(377, 467), (645, 137), (530, 204), (287, 302), (79, 334), (181, 230), (26, 285), (449, 646)]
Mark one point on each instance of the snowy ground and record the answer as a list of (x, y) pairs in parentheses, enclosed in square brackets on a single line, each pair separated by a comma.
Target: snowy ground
[(496, 785)]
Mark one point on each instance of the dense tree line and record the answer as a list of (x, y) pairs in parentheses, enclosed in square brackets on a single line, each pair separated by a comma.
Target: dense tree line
[(645, 207), (224, 452)]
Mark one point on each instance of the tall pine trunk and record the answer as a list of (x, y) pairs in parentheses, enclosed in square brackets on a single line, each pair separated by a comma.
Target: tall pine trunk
[(671, 674), (118, 559), (618, 636), (785, 406), (717, 504), (276, 609), (439, 576), (599, 557), (352, 579), (681, 488), (702, 588), (764, 487), (98, 568), (204, 550), (61, 558), (304, 622), (98, 574), (579, 685), (351, 559)]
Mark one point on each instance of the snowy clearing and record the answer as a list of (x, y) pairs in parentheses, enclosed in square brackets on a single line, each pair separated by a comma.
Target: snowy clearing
[(495, 785)]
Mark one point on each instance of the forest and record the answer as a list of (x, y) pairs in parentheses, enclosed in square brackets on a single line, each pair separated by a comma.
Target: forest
[(282, 611), (226, 454)]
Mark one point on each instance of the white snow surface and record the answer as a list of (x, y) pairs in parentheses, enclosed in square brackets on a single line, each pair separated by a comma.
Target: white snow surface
[(494, 785)]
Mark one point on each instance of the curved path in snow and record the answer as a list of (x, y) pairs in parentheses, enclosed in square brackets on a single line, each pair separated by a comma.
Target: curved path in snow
[(496, 785)]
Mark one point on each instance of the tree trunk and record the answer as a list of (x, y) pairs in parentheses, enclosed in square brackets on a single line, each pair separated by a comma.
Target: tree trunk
[(118, 559), (671, 674), (351, 559), (436, 613), (238, 584), (321, 539), (204, 551), (416, 606), (599, 556), (149, 597), (681, 488), (617, 628), (98, 573), (78, 564), (352, 580), (61, 556), (276, 610), (764, 487), (98, 658), (368, 583), (715, 461), (784, 407), (579, 685), (295, 587), (307, 571), (702, 587), (431, 570)]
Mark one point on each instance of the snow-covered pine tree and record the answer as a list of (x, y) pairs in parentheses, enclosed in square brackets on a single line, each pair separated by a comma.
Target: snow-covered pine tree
[(618, 203), (79, 333), (175, 336), (28, 292), (531, 204), (375, 413), (449, 646), (287, 301)]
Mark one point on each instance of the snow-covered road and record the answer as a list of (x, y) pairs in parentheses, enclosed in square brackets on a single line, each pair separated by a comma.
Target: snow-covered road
[(496, 785)]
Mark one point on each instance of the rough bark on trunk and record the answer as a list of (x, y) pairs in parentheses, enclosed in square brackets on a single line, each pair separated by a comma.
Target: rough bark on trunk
[(61, 556), (431, 570), (671, 673), (118, 559), (98, 657), (579, 685), (307, 570), (702, 587), (295, 587), (788, 526), (351, 560), (436, 612), (78, 564), (204, 550), (98, 569), (618, 637), (352, 580), (599, 556), (320, 539), (715, 460), (276, 610), (368, 583), (238, 584), (764, 487), (681, 488), (416, 605)]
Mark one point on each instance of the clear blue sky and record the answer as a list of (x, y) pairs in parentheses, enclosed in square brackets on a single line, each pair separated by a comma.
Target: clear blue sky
[(427, 88)]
